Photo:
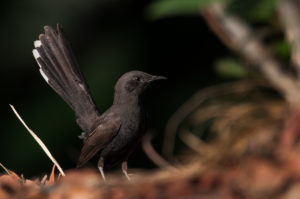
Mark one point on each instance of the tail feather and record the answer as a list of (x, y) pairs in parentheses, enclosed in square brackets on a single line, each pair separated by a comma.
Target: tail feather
[(50, 43), (50, 77), (51, 70), (48, 66), (60, 70), (67, 51)]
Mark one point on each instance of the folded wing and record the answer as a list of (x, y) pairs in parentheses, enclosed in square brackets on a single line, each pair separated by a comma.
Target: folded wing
[(100, 137)]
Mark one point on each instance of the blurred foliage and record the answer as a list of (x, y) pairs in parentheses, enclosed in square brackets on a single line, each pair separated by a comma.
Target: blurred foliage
[(283, 50), (166, 8), (230, 68), (253, 10)]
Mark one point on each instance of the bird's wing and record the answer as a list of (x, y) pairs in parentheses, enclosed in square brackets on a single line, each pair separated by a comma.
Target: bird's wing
[(99, 138), (59, 68)]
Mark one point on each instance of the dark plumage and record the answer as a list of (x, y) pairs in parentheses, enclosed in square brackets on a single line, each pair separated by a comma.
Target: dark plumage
[(114, 134)]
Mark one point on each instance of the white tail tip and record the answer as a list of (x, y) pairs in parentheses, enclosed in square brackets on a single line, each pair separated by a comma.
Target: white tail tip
[(37, 43), (35, 53), (44, 75)]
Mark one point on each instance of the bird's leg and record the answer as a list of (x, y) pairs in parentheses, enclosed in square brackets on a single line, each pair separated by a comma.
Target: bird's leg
[(100, 167), (124, 169)]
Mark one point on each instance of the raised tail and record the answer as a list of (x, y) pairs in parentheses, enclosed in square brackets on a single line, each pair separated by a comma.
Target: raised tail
[(59, 68)]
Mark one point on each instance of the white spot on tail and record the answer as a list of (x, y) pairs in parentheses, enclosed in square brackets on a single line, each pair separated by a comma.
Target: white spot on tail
[(38, 64), (35, 53), (44, 75), (37, 43)]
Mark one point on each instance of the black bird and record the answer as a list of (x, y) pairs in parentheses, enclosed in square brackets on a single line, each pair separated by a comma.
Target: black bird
[(112, 135)]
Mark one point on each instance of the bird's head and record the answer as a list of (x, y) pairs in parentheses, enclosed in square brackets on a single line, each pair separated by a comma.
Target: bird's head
[(134, 83)]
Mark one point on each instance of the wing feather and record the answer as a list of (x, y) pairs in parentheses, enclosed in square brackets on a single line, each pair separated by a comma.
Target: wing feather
[(99, 138)]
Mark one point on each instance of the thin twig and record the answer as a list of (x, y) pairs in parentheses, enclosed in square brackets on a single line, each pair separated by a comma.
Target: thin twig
[(193, 142), (59, 176), (44, 179), (191, 104), (152, 154), (39, 141)]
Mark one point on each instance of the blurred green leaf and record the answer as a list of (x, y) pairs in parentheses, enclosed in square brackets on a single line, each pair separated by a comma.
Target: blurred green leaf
[(254, 10), (165, 8), (230, 68), (283, 50)]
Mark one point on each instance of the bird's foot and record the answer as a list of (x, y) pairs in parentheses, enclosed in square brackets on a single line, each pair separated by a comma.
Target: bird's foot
[(102, 173), (100, 167), (124, 170)]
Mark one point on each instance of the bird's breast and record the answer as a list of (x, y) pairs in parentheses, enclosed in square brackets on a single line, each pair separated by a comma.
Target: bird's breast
[(134, 121), (133, 126)]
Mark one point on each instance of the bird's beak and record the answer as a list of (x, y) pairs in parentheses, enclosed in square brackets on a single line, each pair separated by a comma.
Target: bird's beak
[(155, 78)]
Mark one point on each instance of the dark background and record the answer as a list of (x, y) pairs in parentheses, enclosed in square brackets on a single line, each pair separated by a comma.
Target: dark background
[(109, 37)]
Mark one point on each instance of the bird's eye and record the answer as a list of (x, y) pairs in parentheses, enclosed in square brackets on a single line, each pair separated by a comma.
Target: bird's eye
[(136, 78)]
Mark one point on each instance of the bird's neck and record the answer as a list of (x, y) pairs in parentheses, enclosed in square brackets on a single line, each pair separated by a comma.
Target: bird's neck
[(126, 99)]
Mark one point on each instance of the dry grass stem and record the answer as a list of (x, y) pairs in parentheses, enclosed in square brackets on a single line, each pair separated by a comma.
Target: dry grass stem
[(5, 169), (39, 141)]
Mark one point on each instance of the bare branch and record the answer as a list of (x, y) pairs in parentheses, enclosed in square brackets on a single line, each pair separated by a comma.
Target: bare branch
[(238, 36), (191, 104), (193, 142), (290, 18), (152, 154)]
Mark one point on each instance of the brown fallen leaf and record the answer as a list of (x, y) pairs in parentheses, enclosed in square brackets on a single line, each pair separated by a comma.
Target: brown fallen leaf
[(52, 176)]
